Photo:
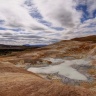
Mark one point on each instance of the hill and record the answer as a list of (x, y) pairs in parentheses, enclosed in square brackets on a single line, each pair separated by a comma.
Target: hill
[(88, 38), (8, 49), (66, 68)]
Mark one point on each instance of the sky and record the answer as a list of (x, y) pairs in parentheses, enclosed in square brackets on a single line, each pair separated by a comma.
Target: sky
[(40, 22)]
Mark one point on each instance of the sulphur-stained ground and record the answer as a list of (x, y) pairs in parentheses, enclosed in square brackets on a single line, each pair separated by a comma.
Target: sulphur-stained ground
[(67, 68)]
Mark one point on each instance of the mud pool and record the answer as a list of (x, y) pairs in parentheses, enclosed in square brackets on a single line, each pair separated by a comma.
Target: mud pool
[(63, 68)]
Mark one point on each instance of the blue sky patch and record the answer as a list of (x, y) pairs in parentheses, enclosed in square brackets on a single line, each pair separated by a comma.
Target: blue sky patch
[(2, 22), (86, 14), (1, 28)]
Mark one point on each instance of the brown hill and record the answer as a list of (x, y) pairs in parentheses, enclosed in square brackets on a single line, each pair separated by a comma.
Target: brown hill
[(15, 80), (18, 82), (88, 38)]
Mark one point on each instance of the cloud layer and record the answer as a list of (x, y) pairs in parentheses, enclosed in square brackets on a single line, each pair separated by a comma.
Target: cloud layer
[(45, 21)]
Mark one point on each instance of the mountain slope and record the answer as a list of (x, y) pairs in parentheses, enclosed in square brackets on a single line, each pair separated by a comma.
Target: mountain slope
[(88, 38)]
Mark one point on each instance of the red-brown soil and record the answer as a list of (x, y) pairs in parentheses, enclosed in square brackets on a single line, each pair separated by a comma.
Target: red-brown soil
[(17, 81)]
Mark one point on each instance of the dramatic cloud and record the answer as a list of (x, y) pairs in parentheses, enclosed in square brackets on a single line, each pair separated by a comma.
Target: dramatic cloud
[(59, 12), (45, 21), (16, 16)]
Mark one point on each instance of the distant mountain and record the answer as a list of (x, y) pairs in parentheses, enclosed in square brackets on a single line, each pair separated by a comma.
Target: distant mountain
[(6, 49), (35, 45), (88, 38), (19, 47)]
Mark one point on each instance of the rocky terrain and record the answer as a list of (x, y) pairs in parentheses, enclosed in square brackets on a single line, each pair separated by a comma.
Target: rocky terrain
[(66, 68)]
